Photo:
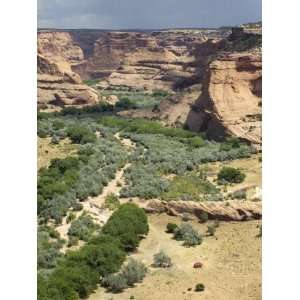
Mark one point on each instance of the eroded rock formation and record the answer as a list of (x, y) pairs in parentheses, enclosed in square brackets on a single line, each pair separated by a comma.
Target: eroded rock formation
[(57, 83), (234, 210)]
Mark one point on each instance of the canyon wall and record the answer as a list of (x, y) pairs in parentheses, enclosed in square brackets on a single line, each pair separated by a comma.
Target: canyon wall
[(57, 83), (214, 78)]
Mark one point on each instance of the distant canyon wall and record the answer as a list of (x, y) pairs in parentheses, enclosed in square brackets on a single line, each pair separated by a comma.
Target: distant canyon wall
[(214, 78)]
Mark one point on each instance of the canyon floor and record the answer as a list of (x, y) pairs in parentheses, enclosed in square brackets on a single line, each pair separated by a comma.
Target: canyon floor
[(231, 264)]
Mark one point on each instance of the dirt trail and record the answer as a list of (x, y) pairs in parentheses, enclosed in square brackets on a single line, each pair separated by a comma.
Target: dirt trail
[(95, 205)]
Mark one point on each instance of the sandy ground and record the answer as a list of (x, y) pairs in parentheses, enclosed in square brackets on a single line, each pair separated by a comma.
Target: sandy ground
[(250, 166), (231, 271), (48, 151)]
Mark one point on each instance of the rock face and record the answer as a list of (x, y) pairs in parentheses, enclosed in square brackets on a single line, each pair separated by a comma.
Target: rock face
[(228, 97), (215, 78), (230, 100), (234, 210), (57, 83), (140, 60)]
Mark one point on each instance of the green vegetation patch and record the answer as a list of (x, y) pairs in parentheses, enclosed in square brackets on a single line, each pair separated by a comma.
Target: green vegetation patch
[(231, 175), (143, 126), (83, 227), (189, 187), (77, 274)]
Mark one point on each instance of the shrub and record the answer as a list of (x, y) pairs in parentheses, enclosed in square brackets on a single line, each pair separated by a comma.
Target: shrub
[(71, 217), (127, 223), (171, 227), (130, 274), (203, 217), (134, 271), (83, 227), (211, 229), (199, 287), (81, 135), (73, 241), (162, 260), (77, 206), (126, 103), (185, 217), (115, 283), (186, 233), (231, 175), (239, 195), (112, 202)]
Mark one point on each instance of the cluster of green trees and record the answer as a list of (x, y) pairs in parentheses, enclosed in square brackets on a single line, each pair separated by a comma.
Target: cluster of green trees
[(143, 126), (128, 223), (58, 179), (75, 178), (77, 274)]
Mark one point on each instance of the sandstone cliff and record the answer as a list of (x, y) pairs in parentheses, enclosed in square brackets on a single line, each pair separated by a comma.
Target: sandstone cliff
[(140, 60), (57, 83), (228, 99)]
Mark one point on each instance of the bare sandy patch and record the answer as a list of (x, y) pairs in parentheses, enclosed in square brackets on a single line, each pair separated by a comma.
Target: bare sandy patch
[(231, 264), (48, 151)]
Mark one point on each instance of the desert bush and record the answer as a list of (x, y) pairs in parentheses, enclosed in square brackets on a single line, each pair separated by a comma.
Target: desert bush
[(231, 175), (131, 273), (185, 217), (81, 135), (73, 241), (203, 217), (160, 93), (134, 271), (126, 103), (186, 233), (115, 283), (162, 260), (171, 227), (77, 206), (199, 287), (83, 227), (71, 216), (239, 195), (47, 250), (112, 202), (211, 229)]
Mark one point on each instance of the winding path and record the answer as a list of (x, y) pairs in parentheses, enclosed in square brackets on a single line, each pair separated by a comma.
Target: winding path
[(95, 205)]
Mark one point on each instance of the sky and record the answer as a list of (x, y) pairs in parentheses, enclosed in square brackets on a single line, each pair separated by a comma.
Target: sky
[(146, 14)]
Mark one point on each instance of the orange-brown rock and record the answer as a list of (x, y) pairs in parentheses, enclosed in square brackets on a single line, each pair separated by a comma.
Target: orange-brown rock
[(233, 210), (227, 99), (57, 83), (230, 100)]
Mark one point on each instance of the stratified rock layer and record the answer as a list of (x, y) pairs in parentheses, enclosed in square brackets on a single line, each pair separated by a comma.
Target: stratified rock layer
[(234, 210), (57, 83)]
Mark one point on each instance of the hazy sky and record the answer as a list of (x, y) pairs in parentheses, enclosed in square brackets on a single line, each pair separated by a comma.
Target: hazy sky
[(115, 14)]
